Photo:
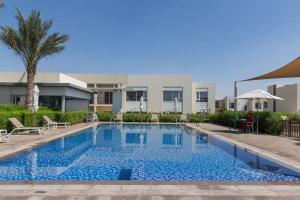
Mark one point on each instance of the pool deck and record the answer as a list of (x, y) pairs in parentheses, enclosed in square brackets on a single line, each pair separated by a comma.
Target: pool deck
[(278, 148)]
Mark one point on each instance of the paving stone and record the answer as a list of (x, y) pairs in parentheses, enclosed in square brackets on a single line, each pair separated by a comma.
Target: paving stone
[(124, 198), (55, 198), (15, 197)]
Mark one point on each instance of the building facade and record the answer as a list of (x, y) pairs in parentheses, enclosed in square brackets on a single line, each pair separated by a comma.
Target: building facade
[(57, 90), (110, 92), (122, 93), (290, 94), (227, 103)]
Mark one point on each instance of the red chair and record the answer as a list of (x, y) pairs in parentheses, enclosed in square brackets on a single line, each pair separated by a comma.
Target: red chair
[(248, 125)]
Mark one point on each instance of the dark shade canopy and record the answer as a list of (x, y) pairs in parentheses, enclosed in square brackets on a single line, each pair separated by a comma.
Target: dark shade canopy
[(290, 70)]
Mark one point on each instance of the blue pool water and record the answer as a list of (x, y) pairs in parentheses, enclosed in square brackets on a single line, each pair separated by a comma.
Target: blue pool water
[(141, 152)]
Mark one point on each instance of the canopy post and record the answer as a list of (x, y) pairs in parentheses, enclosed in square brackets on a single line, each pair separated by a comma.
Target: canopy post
[(235, 95), (274, 101)]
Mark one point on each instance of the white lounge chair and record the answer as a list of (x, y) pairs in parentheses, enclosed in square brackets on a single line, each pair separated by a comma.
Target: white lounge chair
[(50, 123), (20, 128), (3, 135), (154, 118), (92, 117), (118, 117), (183, 119)]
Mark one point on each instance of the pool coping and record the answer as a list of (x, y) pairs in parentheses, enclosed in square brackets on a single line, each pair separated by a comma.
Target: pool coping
[(260, 152)]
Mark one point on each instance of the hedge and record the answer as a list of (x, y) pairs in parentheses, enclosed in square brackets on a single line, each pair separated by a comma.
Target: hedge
[(170, 118), (105, 116), (136, 117), (268, 122)]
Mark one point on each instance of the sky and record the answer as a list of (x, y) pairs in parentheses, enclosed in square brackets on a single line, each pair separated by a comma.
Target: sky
[(216, 41)]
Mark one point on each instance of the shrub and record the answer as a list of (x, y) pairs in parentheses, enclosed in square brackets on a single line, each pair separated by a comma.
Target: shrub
[(171, 118), (105, 116), (136, 117), (73, 117), (36, 119), (196, 118), (11, 107), (4, 122)]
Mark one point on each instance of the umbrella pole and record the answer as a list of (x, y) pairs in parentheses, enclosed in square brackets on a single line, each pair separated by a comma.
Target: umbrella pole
[(257, 116)]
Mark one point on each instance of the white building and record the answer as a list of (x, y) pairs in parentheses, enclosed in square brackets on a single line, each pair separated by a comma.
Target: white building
[(227, 103), (111, 92), (291, 96)]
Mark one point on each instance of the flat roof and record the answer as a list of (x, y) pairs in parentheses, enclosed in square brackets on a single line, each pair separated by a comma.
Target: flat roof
[(48, 85)]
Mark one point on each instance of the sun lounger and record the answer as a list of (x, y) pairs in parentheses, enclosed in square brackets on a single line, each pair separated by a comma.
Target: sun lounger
[(92, 117), (182, 119), (118, 117), (19, 128), (154, 118), (50, 123)]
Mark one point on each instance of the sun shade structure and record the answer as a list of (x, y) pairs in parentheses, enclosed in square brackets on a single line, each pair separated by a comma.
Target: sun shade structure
[(290, 70), (258, 94)]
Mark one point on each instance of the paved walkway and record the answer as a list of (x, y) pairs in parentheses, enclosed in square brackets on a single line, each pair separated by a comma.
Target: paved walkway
[(282, 148), (196, 191), (19, 143)]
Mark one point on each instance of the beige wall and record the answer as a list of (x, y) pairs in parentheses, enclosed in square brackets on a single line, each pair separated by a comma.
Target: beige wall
[(211, 95), (290, 94), (155, 85)]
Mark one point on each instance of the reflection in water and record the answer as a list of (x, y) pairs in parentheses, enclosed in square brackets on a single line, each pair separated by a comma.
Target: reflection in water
[(110, 151)]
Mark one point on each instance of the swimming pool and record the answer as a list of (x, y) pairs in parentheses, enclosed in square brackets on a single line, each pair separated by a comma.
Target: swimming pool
[(141, 152)]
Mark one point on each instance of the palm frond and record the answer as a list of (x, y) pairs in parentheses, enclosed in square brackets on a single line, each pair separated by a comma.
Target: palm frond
[(30, 40)]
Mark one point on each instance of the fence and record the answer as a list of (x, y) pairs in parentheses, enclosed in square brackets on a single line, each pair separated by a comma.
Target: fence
[(291, 128)]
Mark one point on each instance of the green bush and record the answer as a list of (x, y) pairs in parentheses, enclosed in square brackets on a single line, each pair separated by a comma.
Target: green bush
[(36, 119), (136, 117), (73, 117), (105, 116), (4, 122), (268, 122), (170, 118), (196, 118), (11, 107)]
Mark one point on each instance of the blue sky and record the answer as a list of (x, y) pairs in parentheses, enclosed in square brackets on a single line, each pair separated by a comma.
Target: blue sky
[(214, 40)]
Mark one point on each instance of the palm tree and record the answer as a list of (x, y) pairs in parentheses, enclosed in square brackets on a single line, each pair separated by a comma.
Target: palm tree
[(32, 43)]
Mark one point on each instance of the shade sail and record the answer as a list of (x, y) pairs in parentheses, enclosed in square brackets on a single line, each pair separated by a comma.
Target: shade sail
[(290, 70), (258, 94)]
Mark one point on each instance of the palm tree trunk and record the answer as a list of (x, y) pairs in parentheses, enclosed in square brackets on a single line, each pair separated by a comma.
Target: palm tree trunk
[(29, 89)]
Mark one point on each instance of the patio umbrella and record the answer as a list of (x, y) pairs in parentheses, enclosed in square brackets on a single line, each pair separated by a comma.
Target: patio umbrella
[(258, 95), (175, 104), (35, 100), (141, 103)]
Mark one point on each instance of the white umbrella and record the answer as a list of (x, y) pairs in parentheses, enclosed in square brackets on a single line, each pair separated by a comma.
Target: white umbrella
[(141, 103), (258, 95), (35, 100), (175, 104)]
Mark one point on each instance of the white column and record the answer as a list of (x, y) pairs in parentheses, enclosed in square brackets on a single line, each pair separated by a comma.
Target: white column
[(95, 101), (63, 103)]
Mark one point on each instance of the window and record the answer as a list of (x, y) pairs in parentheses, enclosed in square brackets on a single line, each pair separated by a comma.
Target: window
[(265, 104), (18, 100), (171, 95), (108, 97), (257, 105), (245, 108), (202, 95), (105, 97), (136, 95), (231, 105)]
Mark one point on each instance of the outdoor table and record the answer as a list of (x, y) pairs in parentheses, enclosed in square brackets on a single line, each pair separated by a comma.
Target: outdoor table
[(235, 123)]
